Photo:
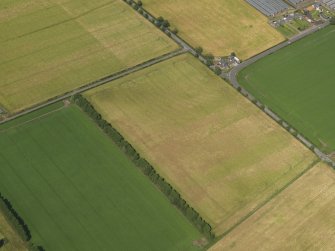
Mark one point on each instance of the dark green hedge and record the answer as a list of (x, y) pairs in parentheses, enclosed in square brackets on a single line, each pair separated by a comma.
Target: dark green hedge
[(15, 220), (146, 168)]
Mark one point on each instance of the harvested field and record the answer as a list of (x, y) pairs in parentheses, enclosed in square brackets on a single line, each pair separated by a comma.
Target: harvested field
[(220, 27), (217, 149), (49, 47), (300, 218), (13, 241), (297, 83), (76, 190)]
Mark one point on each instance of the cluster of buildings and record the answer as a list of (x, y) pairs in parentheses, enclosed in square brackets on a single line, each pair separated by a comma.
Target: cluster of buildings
[(227, 62), (280, 12), (329, 4), (269, 7), (272, 8)]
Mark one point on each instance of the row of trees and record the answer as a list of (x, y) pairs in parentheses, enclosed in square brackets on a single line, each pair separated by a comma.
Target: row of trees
[(17, 223), (160, 22), (146, 168)]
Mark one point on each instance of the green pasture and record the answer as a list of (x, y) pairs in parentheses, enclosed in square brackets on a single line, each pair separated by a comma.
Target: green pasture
[(77, 191), (298, 83)]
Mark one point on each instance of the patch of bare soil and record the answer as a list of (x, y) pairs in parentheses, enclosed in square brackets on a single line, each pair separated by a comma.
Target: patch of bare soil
[(200, 242), (66, 102)]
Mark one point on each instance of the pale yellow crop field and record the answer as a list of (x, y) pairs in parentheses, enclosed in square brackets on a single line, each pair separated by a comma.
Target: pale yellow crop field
[(300, 218), (219, 26), (14, 242), (49, 47), (217, 149)]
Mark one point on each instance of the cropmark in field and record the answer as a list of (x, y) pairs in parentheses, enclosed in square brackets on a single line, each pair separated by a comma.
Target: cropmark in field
[(49, 47), (300, 218), (219, 26), (224, 155)]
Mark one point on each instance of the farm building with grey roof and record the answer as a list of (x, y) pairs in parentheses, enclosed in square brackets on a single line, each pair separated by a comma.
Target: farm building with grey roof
[(329, 3), (269, 7)]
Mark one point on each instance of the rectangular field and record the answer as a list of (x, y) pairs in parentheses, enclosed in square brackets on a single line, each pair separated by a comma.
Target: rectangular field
[(49, 47), (219, 26), (300, 218), (217, 149), (297, 83), (77, 191)]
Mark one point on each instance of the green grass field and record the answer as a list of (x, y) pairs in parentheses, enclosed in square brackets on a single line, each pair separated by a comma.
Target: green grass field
[(219, 26), (218, 150), (49, 47), (302, 217), (77, 191), (297, 82)]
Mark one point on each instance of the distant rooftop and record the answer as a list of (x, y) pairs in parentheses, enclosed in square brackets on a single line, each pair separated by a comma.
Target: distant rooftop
[(269, 7), (329, 3), (295, 2)]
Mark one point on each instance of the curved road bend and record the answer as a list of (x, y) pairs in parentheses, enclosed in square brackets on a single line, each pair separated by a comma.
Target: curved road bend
[(232, 77)]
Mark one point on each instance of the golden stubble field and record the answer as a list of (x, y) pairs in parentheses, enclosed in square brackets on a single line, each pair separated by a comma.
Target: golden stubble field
[(302, 217), (14, 242), (49, 47), (217, 149), (219, 26)]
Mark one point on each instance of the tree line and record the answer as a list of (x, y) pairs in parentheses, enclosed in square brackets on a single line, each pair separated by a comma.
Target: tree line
[(17, 223), (160, 22), (173, 195)]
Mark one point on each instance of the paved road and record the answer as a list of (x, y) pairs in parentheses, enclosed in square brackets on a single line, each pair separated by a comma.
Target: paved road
[(177, 39), (184, 48), (97, 83), (232, 77)]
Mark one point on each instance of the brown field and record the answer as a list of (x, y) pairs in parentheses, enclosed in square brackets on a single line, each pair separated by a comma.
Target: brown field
[(15, 243), (217, 149), (49, 47), (219, 26), (302, 217)]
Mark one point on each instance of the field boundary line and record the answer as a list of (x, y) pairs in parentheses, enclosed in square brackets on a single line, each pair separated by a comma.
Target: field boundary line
[(96, 83), (173, 36), (269, 199), (33, 119), (175, 198), (231, 76), (73, 18)]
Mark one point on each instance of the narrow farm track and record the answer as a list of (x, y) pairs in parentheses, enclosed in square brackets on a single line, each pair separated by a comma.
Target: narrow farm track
[(97, 83)]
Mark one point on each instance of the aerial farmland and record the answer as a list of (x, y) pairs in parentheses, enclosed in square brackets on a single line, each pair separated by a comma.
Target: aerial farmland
[(221, 27), (68, 199), (297, 83), (224, 155), (167, 125), (63, 45), (9, 239), (301, 218)]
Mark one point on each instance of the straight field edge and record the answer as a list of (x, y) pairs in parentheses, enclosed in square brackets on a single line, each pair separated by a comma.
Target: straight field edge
[(147, 169), (18, 225)]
